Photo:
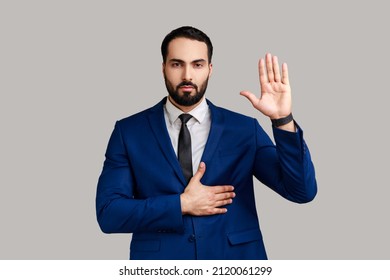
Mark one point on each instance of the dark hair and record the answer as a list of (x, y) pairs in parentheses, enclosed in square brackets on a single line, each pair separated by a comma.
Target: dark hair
[(188, 32)]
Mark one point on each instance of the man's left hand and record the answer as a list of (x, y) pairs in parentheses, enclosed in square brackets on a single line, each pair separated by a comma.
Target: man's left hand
[(275, 99)]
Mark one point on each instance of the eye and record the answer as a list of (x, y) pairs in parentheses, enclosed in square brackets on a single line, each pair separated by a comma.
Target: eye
[(198, 65), (175, 64)]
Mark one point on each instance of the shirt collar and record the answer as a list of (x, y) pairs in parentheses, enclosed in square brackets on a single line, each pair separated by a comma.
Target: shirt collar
[(198, 113)]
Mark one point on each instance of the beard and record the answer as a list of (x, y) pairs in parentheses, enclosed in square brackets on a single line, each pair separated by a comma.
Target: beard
[(186, 99)]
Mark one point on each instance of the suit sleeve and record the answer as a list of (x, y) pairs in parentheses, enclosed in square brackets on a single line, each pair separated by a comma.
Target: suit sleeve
[(286, 167), (116, 208)]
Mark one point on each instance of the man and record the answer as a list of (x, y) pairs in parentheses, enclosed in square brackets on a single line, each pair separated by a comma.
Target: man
[(147, 188)]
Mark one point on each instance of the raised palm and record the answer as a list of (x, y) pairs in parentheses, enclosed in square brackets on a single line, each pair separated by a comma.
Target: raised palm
[(275, 98)]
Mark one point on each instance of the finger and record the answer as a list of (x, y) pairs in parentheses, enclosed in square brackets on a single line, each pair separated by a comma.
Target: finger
[(270, 71), (220, 203), (251, 97), (285, 79), (275, 64), (262, 75), (200, 172), (224, 196), (225, 199), (221, 189), (216, 210)]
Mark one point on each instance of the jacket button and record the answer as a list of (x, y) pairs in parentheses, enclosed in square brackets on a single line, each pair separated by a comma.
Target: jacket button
[(191, 238)]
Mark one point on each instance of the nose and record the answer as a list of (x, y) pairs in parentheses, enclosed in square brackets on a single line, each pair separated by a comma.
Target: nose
[(187, 75)]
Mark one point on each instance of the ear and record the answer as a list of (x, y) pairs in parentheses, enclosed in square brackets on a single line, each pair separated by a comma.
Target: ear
[(163, 67), (210, 69)]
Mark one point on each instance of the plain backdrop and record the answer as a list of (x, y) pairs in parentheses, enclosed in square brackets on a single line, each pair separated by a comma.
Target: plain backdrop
[(70, 69)]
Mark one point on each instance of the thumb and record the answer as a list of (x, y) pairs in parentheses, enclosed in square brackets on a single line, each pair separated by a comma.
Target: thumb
[(251, 97), (200, 172)]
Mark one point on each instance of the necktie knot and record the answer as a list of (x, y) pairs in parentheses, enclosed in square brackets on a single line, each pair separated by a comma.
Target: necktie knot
[(185, 118)]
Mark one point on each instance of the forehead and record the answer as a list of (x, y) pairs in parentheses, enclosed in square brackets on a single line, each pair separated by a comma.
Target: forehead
[(187, 49)]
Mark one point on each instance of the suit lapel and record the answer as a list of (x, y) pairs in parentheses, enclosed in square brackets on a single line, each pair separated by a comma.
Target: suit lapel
[(216, 129), (158, 125)]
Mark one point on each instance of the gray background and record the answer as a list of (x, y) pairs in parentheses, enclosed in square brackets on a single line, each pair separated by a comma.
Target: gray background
[(70, 69)]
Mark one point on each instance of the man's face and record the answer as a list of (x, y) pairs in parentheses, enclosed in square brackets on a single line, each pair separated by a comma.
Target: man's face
[(186, 71)]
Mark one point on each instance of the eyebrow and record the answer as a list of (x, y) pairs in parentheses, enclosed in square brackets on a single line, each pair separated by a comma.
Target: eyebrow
[(182, 61)]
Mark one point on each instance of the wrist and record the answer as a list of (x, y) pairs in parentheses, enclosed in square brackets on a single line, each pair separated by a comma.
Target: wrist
[(183, 204), (277, 122)]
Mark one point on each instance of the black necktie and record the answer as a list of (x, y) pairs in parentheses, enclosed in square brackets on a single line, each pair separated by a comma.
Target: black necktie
[(184, 152)]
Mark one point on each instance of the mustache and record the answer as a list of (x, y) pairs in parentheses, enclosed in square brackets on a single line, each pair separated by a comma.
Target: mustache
[(182, 84)]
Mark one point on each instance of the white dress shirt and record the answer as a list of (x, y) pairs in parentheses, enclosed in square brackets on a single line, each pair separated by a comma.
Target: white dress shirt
[(198, 125)]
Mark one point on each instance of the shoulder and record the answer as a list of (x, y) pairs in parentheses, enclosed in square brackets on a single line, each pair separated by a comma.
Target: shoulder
[(230, 116), (140, 118)]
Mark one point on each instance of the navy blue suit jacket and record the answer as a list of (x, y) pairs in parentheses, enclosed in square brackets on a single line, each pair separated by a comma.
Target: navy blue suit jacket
[(140, 185)]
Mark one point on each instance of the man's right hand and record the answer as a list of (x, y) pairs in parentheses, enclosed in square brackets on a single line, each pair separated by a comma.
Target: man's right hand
[(199, 200)]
